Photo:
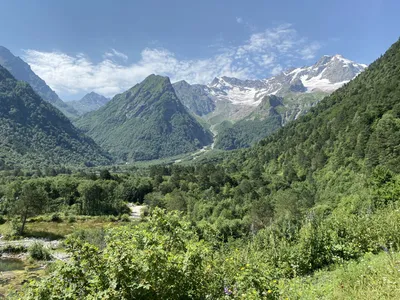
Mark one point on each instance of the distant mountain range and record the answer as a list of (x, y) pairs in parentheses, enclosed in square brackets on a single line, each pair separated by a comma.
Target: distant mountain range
[(155, 119), (35, 134), (89, 102), (22, 71), (227, 100), (146, 122)]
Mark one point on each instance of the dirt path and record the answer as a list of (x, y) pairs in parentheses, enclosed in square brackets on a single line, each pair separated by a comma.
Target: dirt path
[(135, 210)]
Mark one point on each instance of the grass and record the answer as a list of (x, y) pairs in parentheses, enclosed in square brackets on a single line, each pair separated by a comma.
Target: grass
[(55, 231), (372, 277), (59, 230)]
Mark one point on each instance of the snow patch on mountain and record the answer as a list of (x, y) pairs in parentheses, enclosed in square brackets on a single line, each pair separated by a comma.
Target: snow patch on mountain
[(327, 75)]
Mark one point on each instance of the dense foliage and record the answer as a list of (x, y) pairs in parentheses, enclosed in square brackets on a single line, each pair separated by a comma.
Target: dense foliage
[(146, 122), (80, 194), (34, 133), (323, 190)]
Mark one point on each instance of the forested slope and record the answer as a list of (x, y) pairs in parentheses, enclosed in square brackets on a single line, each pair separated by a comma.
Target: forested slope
[(34, 133), (146, 122)]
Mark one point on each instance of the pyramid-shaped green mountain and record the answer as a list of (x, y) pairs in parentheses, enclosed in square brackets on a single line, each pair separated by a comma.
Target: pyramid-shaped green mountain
[(146, 122)]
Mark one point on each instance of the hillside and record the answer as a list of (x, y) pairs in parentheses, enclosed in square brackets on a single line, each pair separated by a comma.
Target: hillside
[(34, 133), (356, 126), (195, 97), (270, 115), (22, 71), (233, 107), (146, 122)]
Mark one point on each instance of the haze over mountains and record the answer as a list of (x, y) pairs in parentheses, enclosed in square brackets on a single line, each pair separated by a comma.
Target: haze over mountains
[(89, 102)]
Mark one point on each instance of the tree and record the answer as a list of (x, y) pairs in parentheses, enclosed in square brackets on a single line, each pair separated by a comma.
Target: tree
[(105, 175), (28, 199)]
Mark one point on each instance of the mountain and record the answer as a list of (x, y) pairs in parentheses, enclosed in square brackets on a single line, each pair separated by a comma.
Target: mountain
[(89, 102), (327, 75), (195, 97), (22, 71), (234, 105), (321, 192), (34, 133), (146, 122), (357, 126), (263, 121), (271, 114)]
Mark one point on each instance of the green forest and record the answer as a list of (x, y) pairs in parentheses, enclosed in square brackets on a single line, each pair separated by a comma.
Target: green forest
[(310, 212)]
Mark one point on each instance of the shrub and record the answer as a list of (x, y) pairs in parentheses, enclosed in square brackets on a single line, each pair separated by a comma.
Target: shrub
[(95, 236), (37, 219), (38, 252), (56, 218), (125, 218), (71, 219), (12, 249), (113, 218)]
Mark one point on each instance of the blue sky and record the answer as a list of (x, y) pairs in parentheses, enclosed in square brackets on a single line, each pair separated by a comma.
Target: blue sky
[(108, 46)]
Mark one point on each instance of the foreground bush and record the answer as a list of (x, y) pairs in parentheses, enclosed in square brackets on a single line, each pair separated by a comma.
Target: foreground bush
[(38, 252), (163, 258)]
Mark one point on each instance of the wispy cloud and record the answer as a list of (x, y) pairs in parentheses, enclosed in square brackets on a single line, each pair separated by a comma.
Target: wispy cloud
[(239, 20), (115, 54), (263, 54), (247, 24)]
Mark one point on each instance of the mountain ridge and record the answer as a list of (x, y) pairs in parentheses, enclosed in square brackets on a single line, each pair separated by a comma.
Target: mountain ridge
[(234, 100), (22, 71), (34, 132), (91, 101), (145, 122)]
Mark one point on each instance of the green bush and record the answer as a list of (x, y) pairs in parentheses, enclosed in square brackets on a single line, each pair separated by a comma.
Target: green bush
[(38, 252), (113, 218), (2, 220), (56, 218), (12, 249), (96, 236), (71, 219), (125, 218)]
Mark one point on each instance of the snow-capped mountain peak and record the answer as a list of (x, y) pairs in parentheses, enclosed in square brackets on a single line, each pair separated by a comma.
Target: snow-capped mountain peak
[(328, 74)]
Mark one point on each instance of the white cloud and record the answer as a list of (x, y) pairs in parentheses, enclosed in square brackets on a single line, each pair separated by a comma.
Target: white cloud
[(267, 52), (309, 51), (276, 70), (115, 54), (239, 20)]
